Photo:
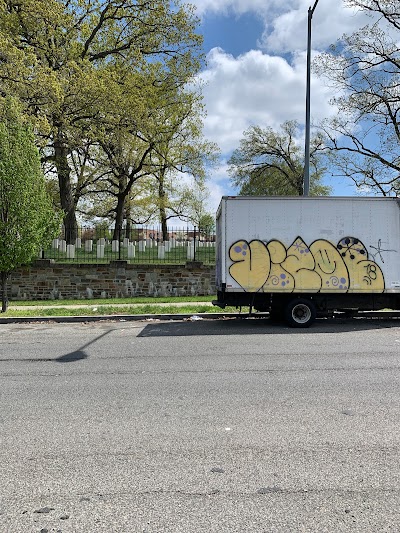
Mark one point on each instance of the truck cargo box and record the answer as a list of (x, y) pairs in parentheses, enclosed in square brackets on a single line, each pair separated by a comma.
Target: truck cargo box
[(337, 252)]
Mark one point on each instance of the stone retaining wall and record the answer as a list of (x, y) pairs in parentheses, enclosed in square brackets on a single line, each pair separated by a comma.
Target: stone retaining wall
[(44, 280)]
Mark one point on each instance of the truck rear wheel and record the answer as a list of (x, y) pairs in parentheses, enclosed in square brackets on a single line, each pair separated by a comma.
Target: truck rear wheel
[(300, 313)]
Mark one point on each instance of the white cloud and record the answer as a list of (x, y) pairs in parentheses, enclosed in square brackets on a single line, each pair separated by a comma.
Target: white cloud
[(218, 187), (288, 31), (256, 88), (237, 6), (266, 87), (286, 22)]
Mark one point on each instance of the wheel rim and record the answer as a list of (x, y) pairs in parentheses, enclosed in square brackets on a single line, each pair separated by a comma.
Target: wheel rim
[(301, 313)]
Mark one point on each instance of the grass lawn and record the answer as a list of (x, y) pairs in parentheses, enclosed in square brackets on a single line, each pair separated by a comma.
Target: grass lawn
[(115, 306), (112, 301), (95, 310)]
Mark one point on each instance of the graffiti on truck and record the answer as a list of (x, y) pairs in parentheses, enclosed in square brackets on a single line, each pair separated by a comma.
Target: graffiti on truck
[(318, 267)]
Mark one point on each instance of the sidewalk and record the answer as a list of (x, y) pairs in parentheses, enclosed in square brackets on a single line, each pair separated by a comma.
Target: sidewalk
[(88, 306)]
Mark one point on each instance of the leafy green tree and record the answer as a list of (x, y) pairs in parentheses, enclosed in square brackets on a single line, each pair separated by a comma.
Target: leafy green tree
[(207, 224), (149, 144), (194, 199), (124, 145), (27, 219), (364, 68), (270, 162), (181, 150), (61, 59)]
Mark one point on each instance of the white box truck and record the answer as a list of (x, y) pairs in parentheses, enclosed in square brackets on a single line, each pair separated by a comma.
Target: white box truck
[(303, 257)]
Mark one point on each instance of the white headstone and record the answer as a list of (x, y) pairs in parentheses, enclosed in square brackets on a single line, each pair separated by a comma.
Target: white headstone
[(78, 243), (161, 251), (89, 246), (126, 242), (115, 246), (142, 246), (131, 251), (62, 245), (100, 251), (70, 251), (101, 241), (55, 244), (190, 252)]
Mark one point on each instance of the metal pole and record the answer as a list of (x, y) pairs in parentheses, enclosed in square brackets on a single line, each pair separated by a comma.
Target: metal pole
[(306, 184)]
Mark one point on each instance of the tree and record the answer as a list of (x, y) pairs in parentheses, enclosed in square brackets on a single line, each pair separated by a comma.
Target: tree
[(182, 150), (27, 219), (207, 224), (122, 147), (271, 163), (140, 208), (59, 58), (193, 198), (364, 68), (154, 137)]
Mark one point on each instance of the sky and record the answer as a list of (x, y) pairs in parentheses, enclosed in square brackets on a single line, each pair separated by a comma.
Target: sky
[(256, 70)]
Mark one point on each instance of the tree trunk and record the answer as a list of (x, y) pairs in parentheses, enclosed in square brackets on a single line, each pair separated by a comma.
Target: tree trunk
[(119, 217), (128, 223), (64, 182), (164, 229), (162, 210), (120, 210), (4, 299)]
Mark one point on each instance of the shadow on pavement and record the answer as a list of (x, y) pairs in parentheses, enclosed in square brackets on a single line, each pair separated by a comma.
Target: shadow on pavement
[(251, 326), (71, 357)]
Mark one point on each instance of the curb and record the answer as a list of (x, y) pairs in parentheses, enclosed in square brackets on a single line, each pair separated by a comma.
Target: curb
[(122, 318), (382, 315)]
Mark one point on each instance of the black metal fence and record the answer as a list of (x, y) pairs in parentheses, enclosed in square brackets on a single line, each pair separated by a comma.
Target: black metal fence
[(142, 244)]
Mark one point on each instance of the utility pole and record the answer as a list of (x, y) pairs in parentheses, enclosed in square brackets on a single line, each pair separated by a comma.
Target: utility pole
[(306, 179)]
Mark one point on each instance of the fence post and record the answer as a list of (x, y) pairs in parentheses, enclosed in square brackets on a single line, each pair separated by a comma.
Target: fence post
[(194, 242)]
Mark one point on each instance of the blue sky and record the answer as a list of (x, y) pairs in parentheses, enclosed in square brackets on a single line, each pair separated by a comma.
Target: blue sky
[(256, 70), (236, 34)]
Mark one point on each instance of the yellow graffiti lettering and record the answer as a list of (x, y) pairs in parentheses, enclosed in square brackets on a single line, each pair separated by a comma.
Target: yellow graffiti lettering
[(277, 251), (279, 280), (300, 264), (251, 264), (365, 274), (330, 266), (319, 267)]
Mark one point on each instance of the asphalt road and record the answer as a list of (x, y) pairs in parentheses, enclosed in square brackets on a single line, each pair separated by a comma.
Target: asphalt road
[(205, 426)]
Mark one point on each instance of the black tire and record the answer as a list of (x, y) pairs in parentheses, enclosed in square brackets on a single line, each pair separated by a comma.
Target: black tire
[(300, 313)]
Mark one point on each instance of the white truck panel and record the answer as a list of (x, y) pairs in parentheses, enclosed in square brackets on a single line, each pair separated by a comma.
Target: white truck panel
[(351, 243)]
